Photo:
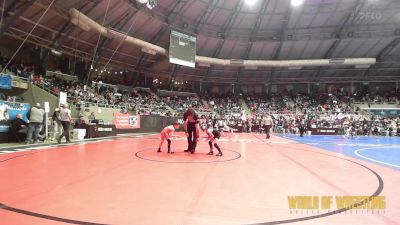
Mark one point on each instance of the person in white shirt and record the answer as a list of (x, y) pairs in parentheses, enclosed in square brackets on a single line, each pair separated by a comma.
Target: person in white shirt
[(65, 118), (268, 123), (166, 134)]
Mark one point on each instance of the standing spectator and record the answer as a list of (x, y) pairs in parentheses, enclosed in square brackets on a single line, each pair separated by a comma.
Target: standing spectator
[(65, 118), (57, 127), (36, 118)]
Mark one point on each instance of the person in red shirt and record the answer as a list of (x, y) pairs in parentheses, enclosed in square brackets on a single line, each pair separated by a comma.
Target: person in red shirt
[(166, 134)]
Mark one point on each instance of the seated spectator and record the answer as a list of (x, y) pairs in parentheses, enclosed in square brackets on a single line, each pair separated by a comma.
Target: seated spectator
[(80, 123), (19, 128), (91, 117)]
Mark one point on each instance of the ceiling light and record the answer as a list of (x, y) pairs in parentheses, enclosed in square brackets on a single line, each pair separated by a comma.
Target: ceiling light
[(296, 2), (55, 52), (250, 2)]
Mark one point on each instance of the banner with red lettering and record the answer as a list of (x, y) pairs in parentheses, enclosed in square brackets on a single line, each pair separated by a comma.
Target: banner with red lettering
[(126, 121)]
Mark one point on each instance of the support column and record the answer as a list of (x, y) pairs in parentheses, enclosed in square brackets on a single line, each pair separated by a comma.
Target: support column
[(352, 88)]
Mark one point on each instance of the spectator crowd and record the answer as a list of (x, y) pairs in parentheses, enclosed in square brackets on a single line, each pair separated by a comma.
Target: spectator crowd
[(290, 111)]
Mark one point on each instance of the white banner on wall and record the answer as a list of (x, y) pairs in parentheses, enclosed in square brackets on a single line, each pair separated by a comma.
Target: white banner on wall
[(46, 107), (62, 98)]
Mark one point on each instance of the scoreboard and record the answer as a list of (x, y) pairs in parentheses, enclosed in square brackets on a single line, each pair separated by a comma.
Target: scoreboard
[(182, 49)]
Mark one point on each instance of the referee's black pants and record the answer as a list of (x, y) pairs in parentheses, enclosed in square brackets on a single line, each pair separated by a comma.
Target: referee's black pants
[(192, 138)]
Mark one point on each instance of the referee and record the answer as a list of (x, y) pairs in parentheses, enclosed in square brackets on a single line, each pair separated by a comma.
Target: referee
[(192, 129), (267, 124)]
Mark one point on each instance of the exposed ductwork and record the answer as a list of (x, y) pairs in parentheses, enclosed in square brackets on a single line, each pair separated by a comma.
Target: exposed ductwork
[(283, 63), (85, 23)]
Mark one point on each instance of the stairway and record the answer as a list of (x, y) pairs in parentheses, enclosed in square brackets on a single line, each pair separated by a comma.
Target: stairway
[(245, 107)]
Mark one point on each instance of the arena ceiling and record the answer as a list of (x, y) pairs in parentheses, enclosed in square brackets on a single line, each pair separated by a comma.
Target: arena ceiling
[(230, 29)]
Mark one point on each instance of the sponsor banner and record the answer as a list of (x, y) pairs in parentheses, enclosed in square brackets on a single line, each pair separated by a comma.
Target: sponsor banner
[(101, 130), (5, 81), (8, 112), (324, 131), (126, 121), (153, 123)]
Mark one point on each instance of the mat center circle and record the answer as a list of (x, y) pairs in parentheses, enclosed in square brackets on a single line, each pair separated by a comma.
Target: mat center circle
[(186, 157)]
